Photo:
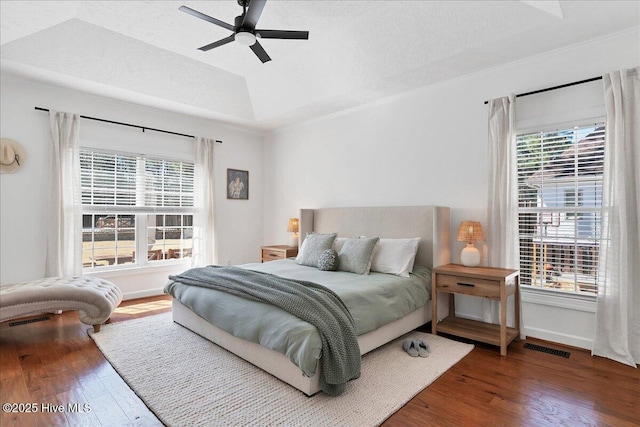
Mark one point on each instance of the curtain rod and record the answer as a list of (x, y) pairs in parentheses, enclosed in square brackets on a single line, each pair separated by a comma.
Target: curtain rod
[(592, 79), (130, 125)]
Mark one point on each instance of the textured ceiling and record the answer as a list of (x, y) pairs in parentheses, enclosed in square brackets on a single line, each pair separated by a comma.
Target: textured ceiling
[(357, 52)]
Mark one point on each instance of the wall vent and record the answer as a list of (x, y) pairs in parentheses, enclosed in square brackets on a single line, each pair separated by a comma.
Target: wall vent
[(547, 350), (34, 320)]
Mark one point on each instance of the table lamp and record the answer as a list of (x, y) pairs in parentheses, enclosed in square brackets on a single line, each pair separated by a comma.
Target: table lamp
[(294, 227), (470, 232)]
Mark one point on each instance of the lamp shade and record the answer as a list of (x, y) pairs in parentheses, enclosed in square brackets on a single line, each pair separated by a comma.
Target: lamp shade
[(294, 225), (470, 232)]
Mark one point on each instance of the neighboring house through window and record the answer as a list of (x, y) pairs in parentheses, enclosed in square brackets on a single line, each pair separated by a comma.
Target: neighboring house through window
[(572, 197), (560, 197), (137, 210)]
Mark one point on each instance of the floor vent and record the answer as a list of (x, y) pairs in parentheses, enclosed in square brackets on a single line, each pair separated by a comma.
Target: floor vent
[(547, 350), (34, 320)]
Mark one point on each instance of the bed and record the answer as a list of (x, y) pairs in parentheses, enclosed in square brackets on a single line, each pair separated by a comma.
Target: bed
[(431, 224)]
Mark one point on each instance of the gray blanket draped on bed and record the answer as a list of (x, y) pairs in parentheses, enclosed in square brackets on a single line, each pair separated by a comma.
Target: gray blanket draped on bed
[(309, 301)]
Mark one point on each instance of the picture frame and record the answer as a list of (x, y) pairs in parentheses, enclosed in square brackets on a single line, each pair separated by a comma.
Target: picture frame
[(237, 184)]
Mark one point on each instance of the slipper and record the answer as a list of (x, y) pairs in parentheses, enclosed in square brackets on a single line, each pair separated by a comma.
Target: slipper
[(423, 347), (410, 347)]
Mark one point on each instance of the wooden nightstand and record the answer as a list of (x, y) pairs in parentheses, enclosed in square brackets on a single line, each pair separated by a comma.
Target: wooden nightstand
[(270, 253), (485, 282)]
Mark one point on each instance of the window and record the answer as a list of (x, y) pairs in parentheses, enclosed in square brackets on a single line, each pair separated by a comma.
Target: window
[(559, 198), (571, 199), (132, 205)]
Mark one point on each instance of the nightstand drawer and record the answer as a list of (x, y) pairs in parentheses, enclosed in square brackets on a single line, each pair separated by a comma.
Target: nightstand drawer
[(468, 286), (269, 255)]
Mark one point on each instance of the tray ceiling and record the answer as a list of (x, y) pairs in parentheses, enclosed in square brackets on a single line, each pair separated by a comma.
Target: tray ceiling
[(357, 52)]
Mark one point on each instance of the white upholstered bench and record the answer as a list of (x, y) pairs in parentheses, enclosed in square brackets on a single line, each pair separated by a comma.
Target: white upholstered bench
[(94, 298)]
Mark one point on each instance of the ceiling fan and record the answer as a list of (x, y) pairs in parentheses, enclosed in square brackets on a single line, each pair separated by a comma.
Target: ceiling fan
[(245, 31)]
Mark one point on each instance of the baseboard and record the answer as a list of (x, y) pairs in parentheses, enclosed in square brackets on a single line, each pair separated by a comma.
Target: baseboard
[(142, 294), (559, 338), (469, 316)]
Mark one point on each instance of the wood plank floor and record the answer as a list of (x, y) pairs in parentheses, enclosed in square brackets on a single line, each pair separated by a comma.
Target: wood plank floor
[(54, 362)]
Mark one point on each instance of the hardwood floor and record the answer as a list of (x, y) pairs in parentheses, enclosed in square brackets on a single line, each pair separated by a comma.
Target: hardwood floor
[(54, 362)]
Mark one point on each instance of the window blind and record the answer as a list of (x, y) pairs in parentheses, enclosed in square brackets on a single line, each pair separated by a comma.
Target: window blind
[(559, 198), (127, 183)]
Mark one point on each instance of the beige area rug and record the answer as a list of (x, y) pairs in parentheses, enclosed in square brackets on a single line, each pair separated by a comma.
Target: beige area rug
[(186, 380)]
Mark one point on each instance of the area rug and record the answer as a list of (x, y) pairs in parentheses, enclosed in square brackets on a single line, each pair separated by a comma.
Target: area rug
[(187, 380)]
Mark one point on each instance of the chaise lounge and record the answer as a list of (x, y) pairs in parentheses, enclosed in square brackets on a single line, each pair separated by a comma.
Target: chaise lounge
[(94, 298)]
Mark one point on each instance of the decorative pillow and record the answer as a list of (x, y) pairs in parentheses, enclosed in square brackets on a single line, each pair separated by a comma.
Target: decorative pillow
[(312, 247), (395, 256), (328, 260), (355, 255)]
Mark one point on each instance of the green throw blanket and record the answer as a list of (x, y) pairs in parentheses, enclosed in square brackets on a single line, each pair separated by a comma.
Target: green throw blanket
[(308, 301)]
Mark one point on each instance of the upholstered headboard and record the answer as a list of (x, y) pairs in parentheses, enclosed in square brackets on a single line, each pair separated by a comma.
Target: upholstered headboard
[(430, 223)]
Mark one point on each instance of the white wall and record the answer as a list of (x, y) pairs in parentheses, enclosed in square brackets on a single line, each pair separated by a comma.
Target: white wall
[(426, 147), (23, 195)]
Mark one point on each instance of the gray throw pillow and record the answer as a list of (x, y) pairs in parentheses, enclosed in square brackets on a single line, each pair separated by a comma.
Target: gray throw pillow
[(328, 260), (356, 254), (312, 247)]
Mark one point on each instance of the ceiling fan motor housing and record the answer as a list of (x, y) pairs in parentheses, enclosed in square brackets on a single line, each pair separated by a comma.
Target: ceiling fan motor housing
[(243, 35), (238, 21)]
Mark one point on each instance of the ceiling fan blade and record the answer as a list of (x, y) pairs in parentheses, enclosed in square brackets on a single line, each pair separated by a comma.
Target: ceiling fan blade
[(260, 52), (253, 13), (207, 18), (218, 43), (283, 34)]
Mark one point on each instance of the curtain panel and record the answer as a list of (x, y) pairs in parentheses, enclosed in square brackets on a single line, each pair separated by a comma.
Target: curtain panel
[(64, 218), (204, 223), (502, 208), (617, 334)]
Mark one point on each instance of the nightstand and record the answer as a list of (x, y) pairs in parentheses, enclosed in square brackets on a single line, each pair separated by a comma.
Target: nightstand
[(484, 282), (270, 253)]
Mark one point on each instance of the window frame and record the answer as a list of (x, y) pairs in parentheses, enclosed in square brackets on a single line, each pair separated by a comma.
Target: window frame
[(538, 294), (140, 214)]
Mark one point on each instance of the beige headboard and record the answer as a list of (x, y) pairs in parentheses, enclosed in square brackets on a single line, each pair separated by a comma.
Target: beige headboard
[(430, 223)]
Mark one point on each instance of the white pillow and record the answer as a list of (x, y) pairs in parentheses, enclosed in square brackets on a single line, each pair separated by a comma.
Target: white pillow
[(338, 243), (395, 256)]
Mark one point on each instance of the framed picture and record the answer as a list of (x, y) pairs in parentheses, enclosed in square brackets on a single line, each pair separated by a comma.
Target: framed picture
[(237, 184)]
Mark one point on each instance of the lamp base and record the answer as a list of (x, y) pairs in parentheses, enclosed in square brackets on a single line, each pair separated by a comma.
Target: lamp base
[(470, 256), (294, 240)]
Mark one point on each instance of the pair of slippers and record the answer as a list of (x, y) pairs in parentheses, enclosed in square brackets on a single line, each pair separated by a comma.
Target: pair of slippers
[(416, 347)]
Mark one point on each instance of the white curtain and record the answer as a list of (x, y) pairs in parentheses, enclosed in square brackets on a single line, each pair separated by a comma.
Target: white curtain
[(618, 306), (503, 248), (204, 233), (64, 217)]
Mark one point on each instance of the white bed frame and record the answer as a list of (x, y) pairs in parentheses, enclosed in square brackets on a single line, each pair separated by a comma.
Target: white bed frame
[(430, 223)]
